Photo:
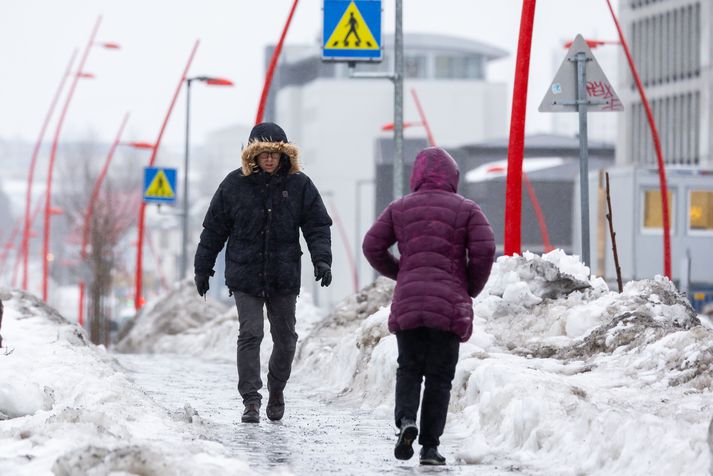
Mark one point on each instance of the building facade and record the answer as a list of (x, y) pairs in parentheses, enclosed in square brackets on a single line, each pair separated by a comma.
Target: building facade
[(670, 42)]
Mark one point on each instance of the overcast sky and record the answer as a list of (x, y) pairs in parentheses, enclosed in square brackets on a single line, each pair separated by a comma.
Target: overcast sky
[(37, 38)]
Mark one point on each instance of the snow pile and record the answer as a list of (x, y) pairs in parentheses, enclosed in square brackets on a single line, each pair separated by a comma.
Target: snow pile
[(561, 376), (180, 321), (65, 407)]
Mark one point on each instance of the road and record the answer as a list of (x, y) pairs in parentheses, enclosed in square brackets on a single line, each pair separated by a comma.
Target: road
[(315, 437)]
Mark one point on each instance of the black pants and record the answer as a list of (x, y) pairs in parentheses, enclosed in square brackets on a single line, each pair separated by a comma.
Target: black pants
[(433, 354), (281, 314)]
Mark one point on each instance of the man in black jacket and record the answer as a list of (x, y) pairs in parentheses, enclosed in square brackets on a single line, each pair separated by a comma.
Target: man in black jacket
[(259, 209)]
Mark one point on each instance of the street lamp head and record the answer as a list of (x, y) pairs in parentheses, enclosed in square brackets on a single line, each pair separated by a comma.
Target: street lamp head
[(211, 80), (219, 82), (109, 45), (592, 43), (390, 125), (139, 145)]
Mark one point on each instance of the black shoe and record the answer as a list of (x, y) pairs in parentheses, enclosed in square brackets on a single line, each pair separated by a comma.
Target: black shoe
[(275, 405), (407, 435), (251, 414), (431, 456)]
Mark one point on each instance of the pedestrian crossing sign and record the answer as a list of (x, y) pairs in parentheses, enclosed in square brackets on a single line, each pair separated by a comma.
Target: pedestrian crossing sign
[(159, 185), (351, 30)]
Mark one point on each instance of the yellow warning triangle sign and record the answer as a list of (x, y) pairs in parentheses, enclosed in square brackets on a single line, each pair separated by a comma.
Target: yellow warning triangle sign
[(160, 187), (352, 32)]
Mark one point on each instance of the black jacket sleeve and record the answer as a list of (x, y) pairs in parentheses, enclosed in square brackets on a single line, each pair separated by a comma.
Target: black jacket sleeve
[(315, 223), (217, 225)]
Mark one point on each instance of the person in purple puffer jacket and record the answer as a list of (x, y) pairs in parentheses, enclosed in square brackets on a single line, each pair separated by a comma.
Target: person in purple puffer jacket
[(446, 248)]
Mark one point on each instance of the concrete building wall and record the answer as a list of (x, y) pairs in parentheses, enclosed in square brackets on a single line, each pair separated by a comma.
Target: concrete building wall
[(670, 41)]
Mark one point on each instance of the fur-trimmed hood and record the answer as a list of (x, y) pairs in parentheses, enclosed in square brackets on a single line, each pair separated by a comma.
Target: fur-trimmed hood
[(255, 148)]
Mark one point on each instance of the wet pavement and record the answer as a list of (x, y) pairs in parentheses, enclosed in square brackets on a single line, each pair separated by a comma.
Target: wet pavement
[(315, 437)]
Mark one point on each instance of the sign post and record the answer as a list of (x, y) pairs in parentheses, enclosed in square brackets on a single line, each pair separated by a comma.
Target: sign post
[(581, 86), (352, 33)]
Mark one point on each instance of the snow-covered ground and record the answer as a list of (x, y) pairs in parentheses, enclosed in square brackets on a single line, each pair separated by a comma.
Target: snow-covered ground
[(561, 377), (67, 408)]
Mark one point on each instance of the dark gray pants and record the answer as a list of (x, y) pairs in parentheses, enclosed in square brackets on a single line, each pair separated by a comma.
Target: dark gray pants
[(281, 314)]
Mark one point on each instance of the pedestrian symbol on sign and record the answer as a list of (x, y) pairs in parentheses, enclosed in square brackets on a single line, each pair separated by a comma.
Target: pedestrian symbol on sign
[(352, 23), (159, 185)]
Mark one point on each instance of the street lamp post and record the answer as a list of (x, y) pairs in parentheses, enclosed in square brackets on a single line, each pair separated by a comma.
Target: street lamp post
[(89, 213), (211, 81), (33, 163), (53, 153)]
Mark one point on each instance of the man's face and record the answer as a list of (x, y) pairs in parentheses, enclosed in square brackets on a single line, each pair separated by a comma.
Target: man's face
[(268, 161)]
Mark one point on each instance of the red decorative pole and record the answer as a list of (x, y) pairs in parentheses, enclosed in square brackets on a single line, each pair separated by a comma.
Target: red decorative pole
[(538, 214), (657, 146), (30, 177), (271, 68), (53, 156), (516, 148), (138, 297), (88, 214), (431, 140), (347, 245), (8, 246)]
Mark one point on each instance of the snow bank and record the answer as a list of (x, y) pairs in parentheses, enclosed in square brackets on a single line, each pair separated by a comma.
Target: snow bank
[(561, 375), (182, 322), (174, 321), (66, 408)]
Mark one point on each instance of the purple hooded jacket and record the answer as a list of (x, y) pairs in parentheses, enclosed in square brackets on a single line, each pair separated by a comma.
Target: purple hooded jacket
[(446, 246)]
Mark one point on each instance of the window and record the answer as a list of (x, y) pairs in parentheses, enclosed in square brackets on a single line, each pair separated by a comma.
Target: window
[(653, 213), (415, 66), (459, 67), (700, 210)]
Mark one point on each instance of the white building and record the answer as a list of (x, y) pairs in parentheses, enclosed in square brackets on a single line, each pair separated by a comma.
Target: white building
[(336, 120)]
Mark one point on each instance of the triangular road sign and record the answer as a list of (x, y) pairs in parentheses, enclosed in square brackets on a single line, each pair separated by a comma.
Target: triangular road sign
[(562, 94), (352, 32), (160, 187)]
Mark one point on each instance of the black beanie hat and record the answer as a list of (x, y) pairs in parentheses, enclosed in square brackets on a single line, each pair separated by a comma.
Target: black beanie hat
[(267, 132)]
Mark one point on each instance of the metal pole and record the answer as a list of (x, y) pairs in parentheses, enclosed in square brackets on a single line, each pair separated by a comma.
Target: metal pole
[(357, 228), (398, 101), (184, 238), (583, 152)]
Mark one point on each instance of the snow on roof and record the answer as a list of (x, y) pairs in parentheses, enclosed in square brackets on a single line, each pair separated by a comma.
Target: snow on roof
[(499, 168)]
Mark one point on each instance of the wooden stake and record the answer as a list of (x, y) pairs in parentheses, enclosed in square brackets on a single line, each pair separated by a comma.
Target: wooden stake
[(613, 238)]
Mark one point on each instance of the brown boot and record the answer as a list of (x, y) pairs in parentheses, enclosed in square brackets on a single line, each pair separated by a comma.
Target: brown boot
[(275, 405), (251, 414)]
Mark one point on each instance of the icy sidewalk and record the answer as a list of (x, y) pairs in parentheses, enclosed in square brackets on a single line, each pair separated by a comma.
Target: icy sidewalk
[(67, 409), (316, 437)]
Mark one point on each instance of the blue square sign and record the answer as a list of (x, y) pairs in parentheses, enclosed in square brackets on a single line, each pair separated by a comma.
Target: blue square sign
[(352, 30)]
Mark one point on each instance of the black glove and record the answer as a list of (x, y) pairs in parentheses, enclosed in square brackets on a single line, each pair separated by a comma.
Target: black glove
[(324, 272), (202, 283)]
